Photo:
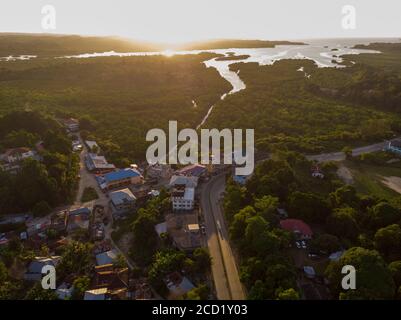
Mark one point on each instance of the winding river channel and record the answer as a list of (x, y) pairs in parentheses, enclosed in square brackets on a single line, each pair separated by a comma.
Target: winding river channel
[(326, 53)]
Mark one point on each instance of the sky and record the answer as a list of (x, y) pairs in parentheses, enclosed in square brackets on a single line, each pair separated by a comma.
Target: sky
[(172, 21)]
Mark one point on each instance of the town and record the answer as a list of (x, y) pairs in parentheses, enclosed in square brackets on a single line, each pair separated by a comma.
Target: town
[(156, 231)]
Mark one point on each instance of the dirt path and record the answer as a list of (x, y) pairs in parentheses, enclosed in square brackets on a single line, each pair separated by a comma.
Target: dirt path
[(393, 183), (345, 174)]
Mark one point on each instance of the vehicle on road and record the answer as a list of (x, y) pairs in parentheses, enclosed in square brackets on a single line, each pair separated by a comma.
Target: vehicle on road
[(219, 228)]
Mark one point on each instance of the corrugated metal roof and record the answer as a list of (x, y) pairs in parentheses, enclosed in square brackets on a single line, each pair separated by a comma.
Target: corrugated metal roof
[(120, 175)]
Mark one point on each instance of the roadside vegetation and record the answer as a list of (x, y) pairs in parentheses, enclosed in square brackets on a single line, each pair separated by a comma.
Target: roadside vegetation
[(41, 183), (89, 194), (367, 226), (330, 109)]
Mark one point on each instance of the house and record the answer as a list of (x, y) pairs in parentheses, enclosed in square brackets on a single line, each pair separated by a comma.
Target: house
[(182, 198), (92, 146), (78, 219), (38, 226), (35, 268), (177, 285), (298, 227), (394, 146), (70, 124), (183, 228), (98, 164), (240, 179), (64, 291), (188, 181), (59, 221), (119, 178), (282, 213), (96, 294), (122, 202), (316, 172), (116, 280), (161, 228), (195, 170), (106, 258), (335, 256), (15, 155), (309, 272), (139, 289), (159, 171)]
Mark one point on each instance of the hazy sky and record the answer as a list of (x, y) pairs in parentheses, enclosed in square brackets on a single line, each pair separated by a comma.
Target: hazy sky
[(186, 20)]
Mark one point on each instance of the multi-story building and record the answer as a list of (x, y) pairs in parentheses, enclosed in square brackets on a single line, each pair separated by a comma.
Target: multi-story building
[(183, 198)]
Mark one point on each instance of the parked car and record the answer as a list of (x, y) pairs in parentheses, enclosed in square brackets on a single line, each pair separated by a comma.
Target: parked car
[(303, 244), (298, 244), (203, 229)]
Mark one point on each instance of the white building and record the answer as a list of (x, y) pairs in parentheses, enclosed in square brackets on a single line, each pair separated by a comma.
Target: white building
[(183, 198), (189, 182), (17, 154)]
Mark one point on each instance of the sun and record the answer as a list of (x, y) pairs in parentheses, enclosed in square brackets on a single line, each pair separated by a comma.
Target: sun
[(168, 53)]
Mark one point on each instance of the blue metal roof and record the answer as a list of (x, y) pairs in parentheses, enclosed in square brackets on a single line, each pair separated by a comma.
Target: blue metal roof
[(120, 175)]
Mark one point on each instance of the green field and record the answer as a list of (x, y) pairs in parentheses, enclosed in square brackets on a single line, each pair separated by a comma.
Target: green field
[(368, 178)]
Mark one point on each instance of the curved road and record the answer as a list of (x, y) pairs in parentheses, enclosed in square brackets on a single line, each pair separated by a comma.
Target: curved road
[(225, 272)]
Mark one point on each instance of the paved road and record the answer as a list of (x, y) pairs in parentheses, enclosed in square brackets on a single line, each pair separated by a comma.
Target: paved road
[(87, 180), (225, 272), (340, 156)]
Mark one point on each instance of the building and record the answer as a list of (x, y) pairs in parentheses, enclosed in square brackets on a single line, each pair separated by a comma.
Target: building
[(394, 146), (240, 179), (96, 294), (119, 178), (70, 124), (161, 228), (195, 170), (122, 202), (159, 171), (183, 198), (316, 172), (98, 164), (92, 146), (188, 181), (116, 280), (183, 229), (17, 154), (78, 219), (177, 285), (35, 268), (309, 272), (106, 258), (298, 227)]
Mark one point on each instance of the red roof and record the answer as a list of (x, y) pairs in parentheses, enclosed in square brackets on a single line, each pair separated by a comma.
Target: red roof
[(296, 225)]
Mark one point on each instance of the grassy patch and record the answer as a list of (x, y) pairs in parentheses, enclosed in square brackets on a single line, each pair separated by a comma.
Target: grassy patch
[(89, 194), (368, 178)]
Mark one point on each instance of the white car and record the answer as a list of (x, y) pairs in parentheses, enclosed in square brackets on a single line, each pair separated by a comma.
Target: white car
[(303, 243), (298, 244)]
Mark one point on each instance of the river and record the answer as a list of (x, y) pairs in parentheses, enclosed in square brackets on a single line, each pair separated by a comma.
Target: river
[(326, 53)]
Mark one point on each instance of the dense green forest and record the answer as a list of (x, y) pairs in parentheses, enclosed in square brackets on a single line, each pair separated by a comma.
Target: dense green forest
[(117, 99), (331, 108), (39, 184), (368, 227), (46, 45), (232, 43)]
